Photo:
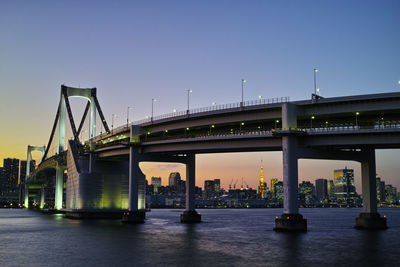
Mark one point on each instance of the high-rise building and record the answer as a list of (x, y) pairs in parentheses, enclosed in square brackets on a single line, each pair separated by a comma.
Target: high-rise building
[(380, 190), (331, 190), (278, 191), (3, 181), (156, 183), (306, 192), (321, 186), (345, 190), (173, 179), (209, 185), (11, 171), (273, 182), (22, 170), (262, 184), (391, 194), (217, 185)]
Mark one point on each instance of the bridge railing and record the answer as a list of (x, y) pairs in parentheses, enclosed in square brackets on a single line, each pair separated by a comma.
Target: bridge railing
[(262, 101)]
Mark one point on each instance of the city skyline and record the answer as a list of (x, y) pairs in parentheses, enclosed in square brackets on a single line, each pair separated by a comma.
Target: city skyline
[(135, 56)]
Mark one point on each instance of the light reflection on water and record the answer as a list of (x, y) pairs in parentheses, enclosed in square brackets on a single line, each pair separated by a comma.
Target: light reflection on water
[(226, 237)]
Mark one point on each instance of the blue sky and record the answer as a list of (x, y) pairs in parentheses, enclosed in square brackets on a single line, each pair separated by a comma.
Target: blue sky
[(133, 51)]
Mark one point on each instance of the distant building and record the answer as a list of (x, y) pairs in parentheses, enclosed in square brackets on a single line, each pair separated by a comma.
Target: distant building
[(10, 179), (273, 182), (380, 190), (306, 193), (3, 180), (391, 194), (212, 188), (217, 185), (331, 190), (173, 179), (156, 183), (278, 191), (321, 189), (345, 191), (209, 187)]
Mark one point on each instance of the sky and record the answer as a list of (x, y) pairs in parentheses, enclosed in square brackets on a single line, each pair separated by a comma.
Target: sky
[(133, 51)]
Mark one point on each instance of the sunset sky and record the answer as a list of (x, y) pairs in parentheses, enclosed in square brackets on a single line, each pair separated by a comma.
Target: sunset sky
[(133, 51)]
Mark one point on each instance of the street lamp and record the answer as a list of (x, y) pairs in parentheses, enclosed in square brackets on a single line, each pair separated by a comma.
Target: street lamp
[(357, 113), (188, 93), (276, 121), (243, 81), (260, 97), (312, 117), (152, 107), (112, 122), (315, 80), (212, 126), (127, 116)]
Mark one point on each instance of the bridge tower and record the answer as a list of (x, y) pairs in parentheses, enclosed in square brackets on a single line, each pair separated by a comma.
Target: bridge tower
[(28, 171), (64, 108)]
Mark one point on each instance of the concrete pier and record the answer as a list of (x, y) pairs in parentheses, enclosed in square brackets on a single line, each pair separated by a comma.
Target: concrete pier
[(190, 215), (369, 218), (136, 211), (290, 220)]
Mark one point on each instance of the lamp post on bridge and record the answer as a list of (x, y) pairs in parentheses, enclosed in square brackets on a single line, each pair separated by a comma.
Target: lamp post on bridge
[(152, 108), (357, 113), (276, 121), (315, 81), (312, 117), (127, 116), (112, 122), (188, 93), (243, 82)]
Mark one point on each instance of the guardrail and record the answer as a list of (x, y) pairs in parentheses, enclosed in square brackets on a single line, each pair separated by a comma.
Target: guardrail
[(215, 108)]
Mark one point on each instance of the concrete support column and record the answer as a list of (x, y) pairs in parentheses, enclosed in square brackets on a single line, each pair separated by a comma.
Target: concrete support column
[(136, 210), (42, 197), (190, 215), (369, 218), (290, 175), (368, 183), (290, 220), (190, 182), (58, 200), (26, 202)]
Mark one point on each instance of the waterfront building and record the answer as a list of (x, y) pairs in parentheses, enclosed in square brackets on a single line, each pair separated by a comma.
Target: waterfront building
[(331, 190), (10, 179), (278, 191), (217, 185), (306, 193), (380, 190), (3, 180), (345, 191), (321, 189), (173, 178), (391, 194), (273, 182), (156, 183)]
